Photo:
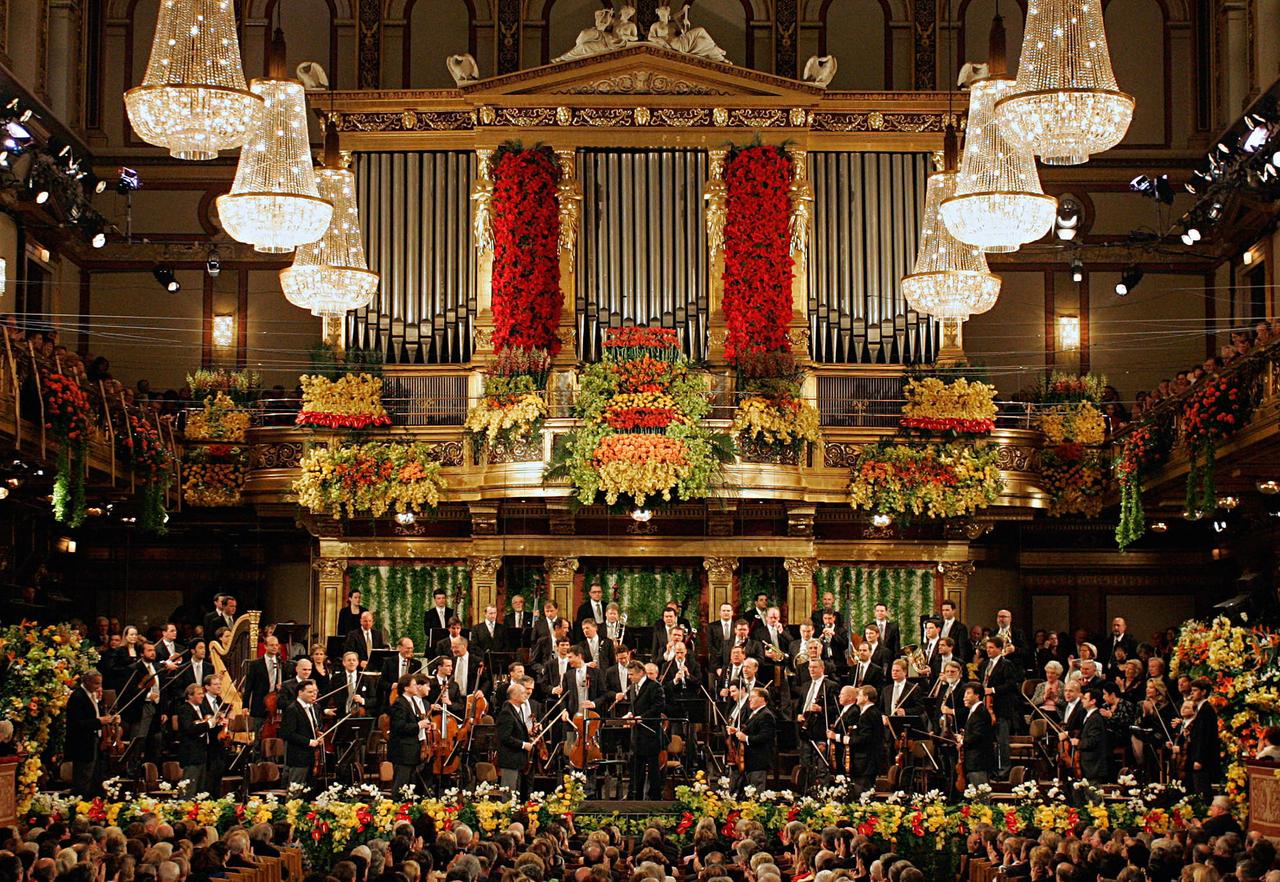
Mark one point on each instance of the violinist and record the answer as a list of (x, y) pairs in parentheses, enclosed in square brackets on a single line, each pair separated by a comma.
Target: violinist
[(1156, 725), (359, 693), (845, 719), (302, 671), (399, 666), (409, 724), (85, 719), (195, 670), (168, 649), (264, 677), (582, 687), (514, 741), (140, 699), (976, 737), (757, 730), (1001, 680), (902, 699), (443, 684), (216, 764), (194, 728), (596, 650), (949, 695), (301, 728)]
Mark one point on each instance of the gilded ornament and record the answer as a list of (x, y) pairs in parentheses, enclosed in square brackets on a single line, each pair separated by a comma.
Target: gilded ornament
[(642, 116), (956, 573), (487, 115), (720, 569), (409, 120), (560, 569), (798, 116), (715, 195), (800, 569), (484, 568), (330, 569), (564, 116), (875, 120), (569, 195), (482, 199), (719, 117), (801, 205)]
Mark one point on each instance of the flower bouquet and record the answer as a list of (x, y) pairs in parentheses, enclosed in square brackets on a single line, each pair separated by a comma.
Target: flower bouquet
[(142, 449), (352, 401), (66, 418), (757, 250), (960, 407), (1062, 387), (347, 480), (1074, 471), (773, 411), (240, 386), (933, 480), (1144, 448), (513, 405), (220, 420), (526, 248), (208, 484), (1217, 408)]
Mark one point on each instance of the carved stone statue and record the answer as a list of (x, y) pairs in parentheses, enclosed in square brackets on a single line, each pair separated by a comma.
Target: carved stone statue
[(681, 36), (463, 68), (595, 40), (820, 70), (625, 29), (971, 72)]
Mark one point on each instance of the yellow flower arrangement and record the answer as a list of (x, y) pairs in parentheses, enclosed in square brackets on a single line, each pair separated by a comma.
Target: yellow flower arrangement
[(782, 421), (220, 420), (491, 418), (1081, 423), (369, 478), (960, 406), (353, 401)]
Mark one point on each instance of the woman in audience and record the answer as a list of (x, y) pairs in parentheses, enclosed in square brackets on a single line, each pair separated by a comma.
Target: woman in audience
[(1048, 695)]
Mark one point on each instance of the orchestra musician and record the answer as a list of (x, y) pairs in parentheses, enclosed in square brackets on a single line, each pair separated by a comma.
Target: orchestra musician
[(218, 757), (757, 730), (865, 671), (321, 671), (932, 655), (757, 614), (264, 676), (591, 608), (196, 668), (828, 606), (546, 648), (518, 625), (664, 633), (437, 618), (400, 665), (1002, 680), (301, 727), (444, 644), (514, 741), (845, 720), (751, 647), (85, 719), (680, 677), (597, 651), (1095, 755), (582, 687), (443, 684), (646, 701), (812, 716), (731, 673), (951, 627), (490, 635), (890, 633), (1204, 749), (880, 654), (359, 693), (902, 699), (364, 639), (302, 670), (617, 680), (835, 639), (866, 741), (349, 615), (772, 637), (720, 639), (407, 730), (553, 673), (168, 649), (615, 627), (545, 627), (976, 734), (194, 730), (223, 616)]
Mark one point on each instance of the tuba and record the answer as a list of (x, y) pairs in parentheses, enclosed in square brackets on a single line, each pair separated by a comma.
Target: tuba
[(916, 660)]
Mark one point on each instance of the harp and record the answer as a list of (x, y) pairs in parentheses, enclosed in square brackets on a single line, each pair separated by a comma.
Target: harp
[(231, 656)]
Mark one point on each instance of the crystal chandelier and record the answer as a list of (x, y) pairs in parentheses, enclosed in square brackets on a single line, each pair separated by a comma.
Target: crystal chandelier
[(274, 203), (330, 276), (950, 279), (1067, 104), (193, 100)]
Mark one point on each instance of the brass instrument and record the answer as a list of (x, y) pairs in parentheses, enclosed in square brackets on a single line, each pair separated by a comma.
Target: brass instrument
[(916, 660)]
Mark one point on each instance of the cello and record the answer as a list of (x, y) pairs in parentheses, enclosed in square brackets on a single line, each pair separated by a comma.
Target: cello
[(586, 743), (444, 732)]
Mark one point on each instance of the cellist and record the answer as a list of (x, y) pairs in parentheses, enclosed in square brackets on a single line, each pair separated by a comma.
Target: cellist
[(758, 732), (583, 691)]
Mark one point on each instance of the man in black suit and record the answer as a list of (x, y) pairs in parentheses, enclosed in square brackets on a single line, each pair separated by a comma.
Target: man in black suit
[(514, 741), (194, 726), (890, 633), (828, 606), (544, 626), (932, 651), (901, 699), (469, 670), (952, 627), (489, 636), (1204, 749), (437, 617), (866, 742), (545, 648), (1002, 680), (664, 632), (774, 640), (757, 614), (591, 608), (879, 651), (264, 676), (444, 644), (365, 639), (302, 670), (407, 731), (1120, 639), (814, 714), (1095, 755), (978, 737), (168, 647), (85, 719), (400, 665), (1023, 652), (359, 692), (194, 670), (216, 764), (221, 617), (742, 637), (842, 724), (647, 702), (758, 732), (581, 686), (617, 680), (680, 679), (836, 639), (720, 639), (1072, 708), (518, 624), (300, 727), (864, 671), (597, 650)]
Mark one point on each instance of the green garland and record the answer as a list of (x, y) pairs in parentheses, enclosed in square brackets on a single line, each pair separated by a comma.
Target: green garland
[(1146, 447), (399, 595), (642, 592), (69, 506), (908, 592)]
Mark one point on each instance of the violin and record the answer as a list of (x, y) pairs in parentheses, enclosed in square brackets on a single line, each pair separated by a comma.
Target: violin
[(271, 727), (962, 780), (112, 735)]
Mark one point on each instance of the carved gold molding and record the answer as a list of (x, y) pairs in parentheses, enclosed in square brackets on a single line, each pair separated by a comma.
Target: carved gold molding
[(482, 201), (569, 196), (956, 572), (720, 568), (715, 199), (640, 82), (560, 569), (484, 568)]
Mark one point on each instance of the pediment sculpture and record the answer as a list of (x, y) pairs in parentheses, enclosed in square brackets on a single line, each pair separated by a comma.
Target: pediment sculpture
[(677, 34)]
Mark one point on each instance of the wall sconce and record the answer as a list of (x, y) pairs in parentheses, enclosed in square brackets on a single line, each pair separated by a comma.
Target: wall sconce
[(224, 331), (1068, 332)]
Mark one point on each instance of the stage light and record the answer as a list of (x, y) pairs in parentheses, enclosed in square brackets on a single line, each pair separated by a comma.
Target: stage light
[(1255, 140), (214, 263), (15, 482), (881, 520), (66, 545), (224, 331), (1219, 526), (128, 181), (98, 240), (641, 515), (100, 187), (1069, 332), (17, 131), (1228, 502), (1077, 270), (1191, 236), (1153, 187), (1193, 514), (1268, 488), (42, 196), (1247, 257), (405, 518), (1068, 222), (1129, 280), (164, 275), (4, 492), (1159, 527)]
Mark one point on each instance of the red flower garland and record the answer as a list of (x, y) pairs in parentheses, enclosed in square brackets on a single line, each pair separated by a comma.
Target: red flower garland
[(341, 420), (757, 251), (526, 251), (949, 424)]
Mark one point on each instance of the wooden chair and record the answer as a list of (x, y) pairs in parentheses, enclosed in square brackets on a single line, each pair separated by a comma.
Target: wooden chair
[(273, 749), (1029, 687), (172, 771), (292, 858), (1017, 775), (487, 773), (151, 779)]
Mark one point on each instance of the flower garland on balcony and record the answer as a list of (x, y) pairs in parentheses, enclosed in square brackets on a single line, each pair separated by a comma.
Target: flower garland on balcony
[(1145, 447), (66, 418), (1074, 471), (143, 450), (513, 405), (757, 250), (1219, 406), (352, 401), (349, 480), (772, 410), (933, 480), (525, 214), (1241, 663), (960, 407), (240, 386), (39, 666), (219, 420), (213, 474), (641, 436)]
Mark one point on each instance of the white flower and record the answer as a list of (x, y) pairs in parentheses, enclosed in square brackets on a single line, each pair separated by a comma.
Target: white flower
[(165, 787)]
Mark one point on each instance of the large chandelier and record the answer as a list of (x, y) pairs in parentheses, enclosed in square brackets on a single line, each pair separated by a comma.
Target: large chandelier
[(330, 276), (274, 203), (998, 205), (1067, 105), (193, 100), (950, 279)]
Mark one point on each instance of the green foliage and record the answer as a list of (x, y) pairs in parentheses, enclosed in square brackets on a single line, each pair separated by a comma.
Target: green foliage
[(907, 592), (399, 595), (331, 362), (642, 592)]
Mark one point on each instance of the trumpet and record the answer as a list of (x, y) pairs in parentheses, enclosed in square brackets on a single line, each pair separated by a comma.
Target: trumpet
[(915, 658)]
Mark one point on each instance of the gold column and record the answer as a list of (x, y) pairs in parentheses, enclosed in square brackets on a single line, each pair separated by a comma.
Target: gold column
[(952, 351), (800, 572), (569, 195), (720, 572), (331, 579), (484, 584), (955, 583), (560, 572), (482, 223), (799, 230), (715, 201)]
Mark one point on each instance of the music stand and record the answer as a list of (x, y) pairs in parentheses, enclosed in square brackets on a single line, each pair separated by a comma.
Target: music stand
[(334, 647), (293, 633), (377, 661)]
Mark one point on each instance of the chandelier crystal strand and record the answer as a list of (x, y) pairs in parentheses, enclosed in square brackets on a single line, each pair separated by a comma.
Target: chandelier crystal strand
[(999, 205), (331, 276), (1068, 105), (193, 100), (950, 279), (274, 203)]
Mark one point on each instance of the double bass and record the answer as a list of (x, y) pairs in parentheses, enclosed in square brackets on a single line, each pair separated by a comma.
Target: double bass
[(586, 743)]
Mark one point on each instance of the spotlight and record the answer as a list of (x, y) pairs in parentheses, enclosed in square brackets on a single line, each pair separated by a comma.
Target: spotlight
[(98, 240), (1223, 148), (641, 515), (1256, 139), (1129, 280), (1068, 221), (1077, 270), (164, 275), (214, 263), (1159, 527), (1153, 187), (128, 181), (100, 187), (405, 518), (1219, 526), (1228, 503), (1268, 488), (4, 492), (1215, 211), (881, 520), (42, 197), (1275, 158), (17, 131), (1193, 514), (1191, 236)]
